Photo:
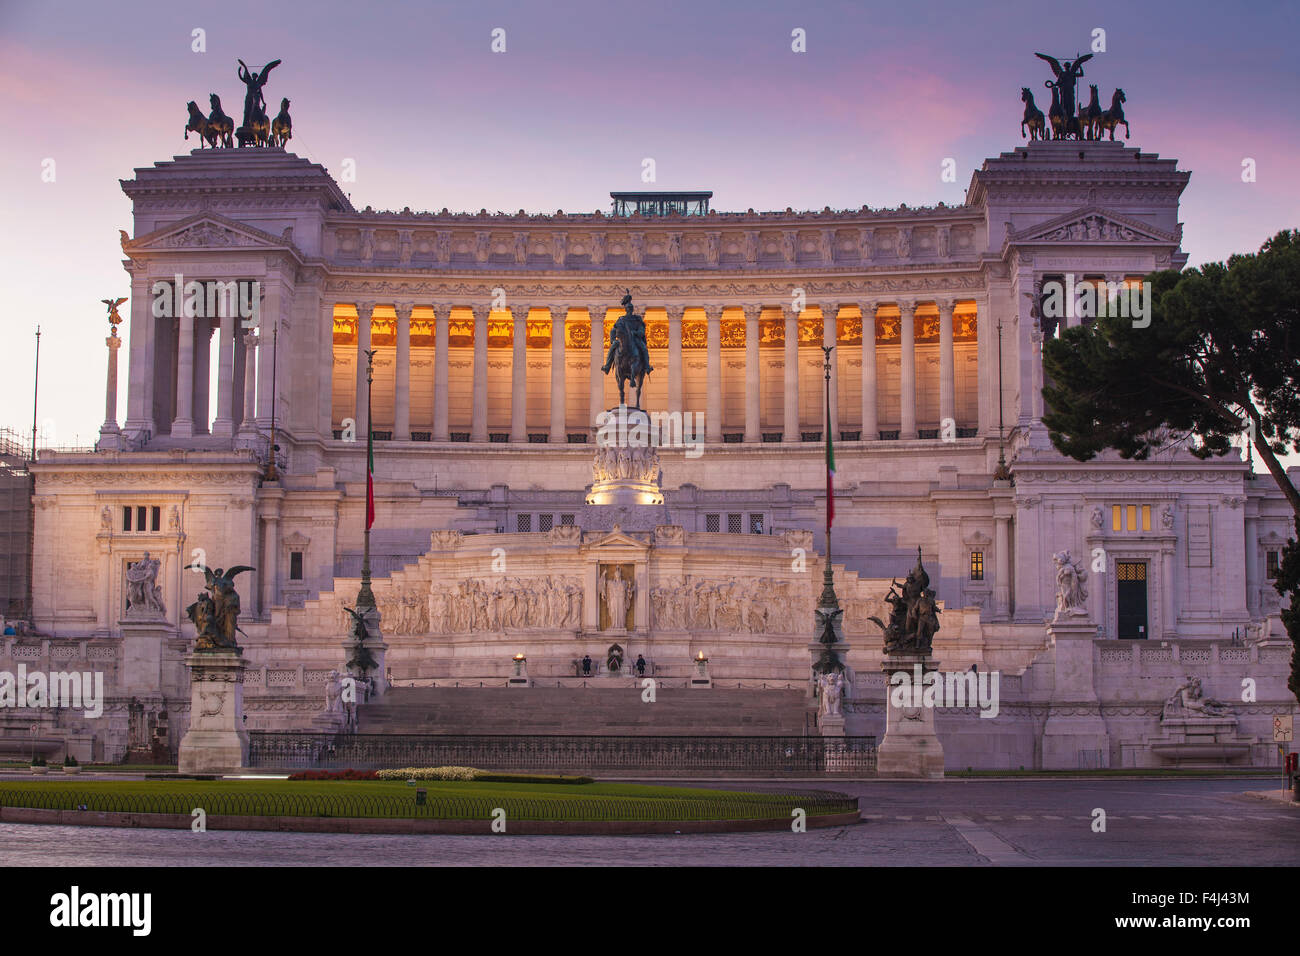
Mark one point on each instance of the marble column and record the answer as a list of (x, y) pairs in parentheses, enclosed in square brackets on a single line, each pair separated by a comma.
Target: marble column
[(713, 394), (110, 437), (248, 423), (519, 374), (790, 425), (870, 400), (183, 423), (365, 315), (223, 426), (272, 556), (830, 336), (947, 366), (478, 429), (753, 432), (441, 367), (402, 376), (675, 313), (269, 312), (139, 394), (325, 356), (558, 315), (596, 401), (1253, 576), (907, 370)]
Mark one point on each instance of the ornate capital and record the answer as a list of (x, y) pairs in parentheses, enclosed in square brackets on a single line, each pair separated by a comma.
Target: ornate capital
[(945, 305), (675, 311), (403, 309)]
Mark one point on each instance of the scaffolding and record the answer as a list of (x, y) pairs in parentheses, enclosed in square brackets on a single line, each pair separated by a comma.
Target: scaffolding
[(16, 526)]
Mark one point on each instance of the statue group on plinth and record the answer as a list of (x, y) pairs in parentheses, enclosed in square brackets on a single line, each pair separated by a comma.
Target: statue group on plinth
[(914, 613), (215, 612), (1064, 120), (258, 129), (628, 354), (143, 593)]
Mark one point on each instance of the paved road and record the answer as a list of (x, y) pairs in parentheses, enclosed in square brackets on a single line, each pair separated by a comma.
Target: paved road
[(1022, 822)]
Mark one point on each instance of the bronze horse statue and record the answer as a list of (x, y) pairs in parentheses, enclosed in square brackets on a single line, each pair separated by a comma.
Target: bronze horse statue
[(1033, 119), (1114, 116), (282, 125), (1090, 116), (628, 366), (1056, 116), (221, 127), (198, 124)]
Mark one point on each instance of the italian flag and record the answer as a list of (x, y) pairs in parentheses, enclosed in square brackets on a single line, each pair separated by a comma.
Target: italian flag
[(370, 479), (830, 480)]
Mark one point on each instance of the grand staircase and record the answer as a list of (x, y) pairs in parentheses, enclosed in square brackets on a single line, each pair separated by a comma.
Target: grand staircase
[(586, 711)]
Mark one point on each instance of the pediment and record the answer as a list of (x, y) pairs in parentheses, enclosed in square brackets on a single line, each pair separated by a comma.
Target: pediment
[(617, 539), (1091, 224), (205, 231)]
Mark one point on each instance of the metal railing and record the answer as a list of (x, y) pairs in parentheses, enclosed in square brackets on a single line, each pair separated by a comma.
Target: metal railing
[(407, 804), (656, 756)]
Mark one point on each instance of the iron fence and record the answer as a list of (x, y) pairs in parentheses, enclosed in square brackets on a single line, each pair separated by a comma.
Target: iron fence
[(418, 803), (652, 756)]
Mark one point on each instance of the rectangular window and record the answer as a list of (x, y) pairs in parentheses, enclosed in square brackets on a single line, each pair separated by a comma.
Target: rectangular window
[(140, 518), (733, 524), (977, 565), (755, 524), (712, 523), (155, 518), (295, 565), (523, 522), (1115, 519), (126, 518), (1131, 512), (544, 522), (1272, 563), (1146, 517), (566, 519)]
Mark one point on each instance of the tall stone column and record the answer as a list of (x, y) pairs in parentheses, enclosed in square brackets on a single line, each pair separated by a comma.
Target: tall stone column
[(402, 377), (139, 394), (271, 557), (478, 429), (270, 309), (947, 366), (325, 356), (441, 367), (752, 430), (596, 313), (223, 425), (870, 399), (558, 315), (110, 436), (907, 370), (675, 313), (790, 426), (713, 406), (830, 336), (519, 375), (365, 315), (183, 423), (248, 423), (1253, 581)]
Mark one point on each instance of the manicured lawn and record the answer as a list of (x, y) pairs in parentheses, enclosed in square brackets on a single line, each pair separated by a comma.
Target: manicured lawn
[(446, 800)]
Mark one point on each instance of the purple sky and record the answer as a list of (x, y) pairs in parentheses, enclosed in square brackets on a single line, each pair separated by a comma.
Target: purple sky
[(585, 91)]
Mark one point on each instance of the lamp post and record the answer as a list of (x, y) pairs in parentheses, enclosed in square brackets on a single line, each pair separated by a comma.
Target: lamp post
[(366, 597)]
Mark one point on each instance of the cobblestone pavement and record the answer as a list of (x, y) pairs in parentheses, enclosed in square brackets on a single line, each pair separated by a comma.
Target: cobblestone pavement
[(1017, 822)]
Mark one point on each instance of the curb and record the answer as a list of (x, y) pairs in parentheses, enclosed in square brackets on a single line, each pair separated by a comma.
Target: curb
[(180, 821), (1280, 797)]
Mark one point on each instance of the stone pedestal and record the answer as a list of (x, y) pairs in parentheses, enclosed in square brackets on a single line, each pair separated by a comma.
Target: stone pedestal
[(142, 654), (1200, 742), (700, 673), (831, 726), (1075, 735), (216, 741), (519, 676), (910, 747)]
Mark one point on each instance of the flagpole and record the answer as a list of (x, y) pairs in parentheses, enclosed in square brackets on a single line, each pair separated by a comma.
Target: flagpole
[(366, 597), (828, 598)]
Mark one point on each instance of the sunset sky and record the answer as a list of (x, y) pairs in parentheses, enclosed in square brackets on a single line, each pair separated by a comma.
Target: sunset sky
[(711, 91)]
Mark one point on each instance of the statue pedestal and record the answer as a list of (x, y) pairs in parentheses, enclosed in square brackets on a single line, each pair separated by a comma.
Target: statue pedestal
[(831, 726), (910, 748), (378, 649), (216, 741), (142, 646), (1075, 735)]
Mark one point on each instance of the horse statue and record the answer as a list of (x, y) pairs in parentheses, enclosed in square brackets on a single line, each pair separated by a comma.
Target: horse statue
[(1114, 116), (1090, 116), (627, 354), (221, 127), (1033, 119), (1055, 115), (282, 125), (198, 124)]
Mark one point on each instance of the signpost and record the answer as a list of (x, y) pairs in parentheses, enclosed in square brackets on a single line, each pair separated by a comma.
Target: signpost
[(1283, 734)]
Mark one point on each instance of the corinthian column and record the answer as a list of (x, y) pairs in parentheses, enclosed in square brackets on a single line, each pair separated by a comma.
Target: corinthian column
[(183, 423), (790, 425), (830, 336), (223, 426), (870, 408), (519, 375), (558, 314), (596, 401), (947, 361), (675, 313), (907, 369), (478, 428), (110, 436), (402, 378), (248, 424), (713, 394), (365, 315), (752, 433), (441, 367)]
